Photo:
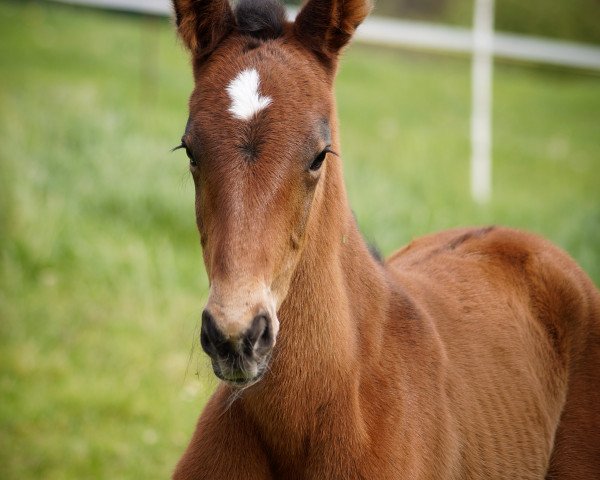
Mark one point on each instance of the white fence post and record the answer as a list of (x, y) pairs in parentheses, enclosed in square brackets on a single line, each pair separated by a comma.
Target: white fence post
[(481, 116)]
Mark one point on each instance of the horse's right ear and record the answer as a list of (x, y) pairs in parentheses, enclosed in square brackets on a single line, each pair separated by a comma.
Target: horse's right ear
[(202, 24)]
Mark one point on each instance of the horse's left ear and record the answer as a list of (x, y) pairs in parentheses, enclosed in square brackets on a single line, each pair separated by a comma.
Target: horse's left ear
[(202, 24), (325, 26)]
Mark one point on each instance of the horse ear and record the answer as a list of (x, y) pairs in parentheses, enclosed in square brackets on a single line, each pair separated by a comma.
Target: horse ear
[(202, 24), (325, 26)]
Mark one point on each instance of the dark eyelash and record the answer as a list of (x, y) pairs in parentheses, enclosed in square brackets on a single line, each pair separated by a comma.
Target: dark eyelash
[(188, 153)]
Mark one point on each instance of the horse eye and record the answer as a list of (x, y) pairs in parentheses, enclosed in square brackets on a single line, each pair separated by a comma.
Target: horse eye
[(318, 161), (189, 154)]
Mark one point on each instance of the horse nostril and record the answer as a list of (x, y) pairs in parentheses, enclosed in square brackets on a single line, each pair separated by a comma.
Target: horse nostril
[(258, 337), (213, 341)]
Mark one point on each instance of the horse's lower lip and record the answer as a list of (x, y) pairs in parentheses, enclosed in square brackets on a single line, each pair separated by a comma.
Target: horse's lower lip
[(237, 381), (240, 373)]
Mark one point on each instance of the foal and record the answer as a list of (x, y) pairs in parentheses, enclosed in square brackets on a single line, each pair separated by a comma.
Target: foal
[(470, 354)]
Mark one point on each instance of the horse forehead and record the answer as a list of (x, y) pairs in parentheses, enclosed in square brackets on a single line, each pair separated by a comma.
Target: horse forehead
[(242, 83), (256, 103)]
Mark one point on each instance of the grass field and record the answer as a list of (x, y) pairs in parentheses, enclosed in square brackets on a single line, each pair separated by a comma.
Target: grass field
[(101, 281)]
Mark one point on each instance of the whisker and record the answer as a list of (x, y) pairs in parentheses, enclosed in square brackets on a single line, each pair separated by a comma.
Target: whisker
[(192, 350)]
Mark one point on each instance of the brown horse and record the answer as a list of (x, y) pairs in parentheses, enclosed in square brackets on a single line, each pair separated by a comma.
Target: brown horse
[(469, 354)]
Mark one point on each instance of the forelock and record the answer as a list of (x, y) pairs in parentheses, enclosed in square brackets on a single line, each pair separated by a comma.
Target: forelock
[(263, 19)]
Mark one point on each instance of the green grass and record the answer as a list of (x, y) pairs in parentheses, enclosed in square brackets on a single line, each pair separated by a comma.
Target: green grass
[(101, 280)]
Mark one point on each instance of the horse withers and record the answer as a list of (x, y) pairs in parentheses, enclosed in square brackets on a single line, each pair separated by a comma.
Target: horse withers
[(469, 354)]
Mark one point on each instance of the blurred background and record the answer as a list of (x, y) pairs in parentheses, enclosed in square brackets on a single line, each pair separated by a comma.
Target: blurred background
[(101, 280)]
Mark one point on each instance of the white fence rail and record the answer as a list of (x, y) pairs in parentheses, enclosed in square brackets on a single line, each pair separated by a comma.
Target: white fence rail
[(402, 33)]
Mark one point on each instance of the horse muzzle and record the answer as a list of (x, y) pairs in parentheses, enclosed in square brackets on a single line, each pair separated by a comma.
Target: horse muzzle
[(239, 358)]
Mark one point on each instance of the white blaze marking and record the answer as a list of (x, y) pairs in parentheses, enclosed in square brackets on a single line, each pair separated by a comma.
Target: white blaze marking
[(246, 101)]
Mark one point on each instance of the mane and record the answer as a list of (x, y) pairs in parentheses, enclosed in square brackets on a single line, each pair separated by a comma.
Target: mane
[(262, 19)]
